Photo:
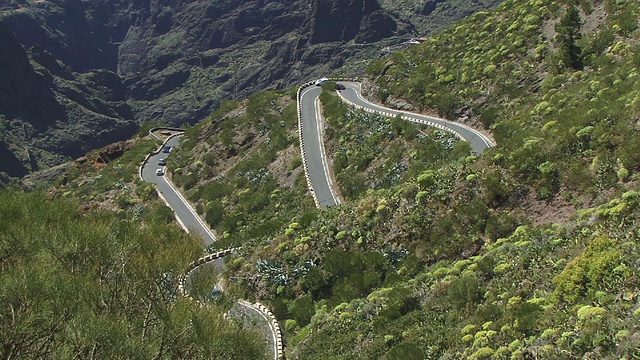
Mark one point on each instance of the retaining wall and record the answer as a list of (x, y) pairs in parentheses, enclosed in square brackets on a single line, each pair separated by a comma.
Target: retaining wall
[(155, 129)]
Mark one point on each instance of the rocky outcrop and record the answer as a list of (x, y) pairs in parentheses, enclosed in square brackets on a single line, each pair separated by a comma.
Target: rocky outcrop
[(10, 165), (82, 34), (376, 26), (430, 6), (335, 20), (20, 85)]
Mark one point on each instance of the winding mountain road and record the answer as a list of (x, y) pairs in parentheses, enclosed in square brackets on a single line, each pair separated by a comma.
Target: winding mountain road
[(311, 137), (315, 163), (478, 141), (311, 126), (174, 198), (192, 223)]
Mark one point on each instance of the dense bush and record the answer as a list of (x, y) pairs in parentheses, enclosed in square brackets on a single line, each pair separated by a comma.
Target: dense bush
[(522, 83), (90, 285), (374, 152)]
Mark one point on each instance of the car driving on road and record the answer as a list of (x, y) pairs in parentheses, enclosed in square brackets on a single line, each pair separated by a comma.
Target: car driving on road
[(159, 172), (321, 81), (162, 162), (166, 149)]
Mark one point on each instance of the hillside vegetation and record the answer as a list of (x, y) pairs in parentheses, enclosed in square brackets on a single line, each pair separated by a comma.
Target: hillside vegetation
[(242, 168), (526, 251), (373, 152), (557, 85), (89, 285)]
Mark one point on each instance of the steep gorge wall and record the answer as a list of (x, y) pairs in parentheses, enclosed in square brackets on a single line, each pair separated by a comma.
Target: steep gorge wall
[(176, 60), (49, 114), (160, 47)]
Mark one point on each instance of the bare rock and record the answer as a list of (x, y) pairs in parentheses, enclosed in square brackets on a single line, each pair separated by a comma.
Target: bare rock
[(399, 104)]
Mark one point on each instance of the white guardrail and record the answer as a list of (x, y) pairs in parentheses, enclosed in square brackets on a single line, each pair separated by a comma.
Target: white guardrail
[(408, 116), (258, 307), (403, 115)]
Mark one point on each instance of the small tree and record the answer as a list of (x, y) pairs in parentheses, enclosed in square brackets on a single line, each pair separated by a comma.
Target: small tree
[(568, 34)]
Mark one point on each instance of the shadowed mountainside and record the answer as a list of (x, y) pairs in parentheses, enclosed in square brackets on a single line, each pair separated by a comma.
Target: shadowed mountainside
[(177, 60), (49, 114)]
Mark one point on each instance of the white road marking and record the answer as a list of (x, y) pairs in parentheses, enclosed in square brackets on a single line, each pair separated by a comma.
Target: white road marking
[(188, 206), (325, 165)]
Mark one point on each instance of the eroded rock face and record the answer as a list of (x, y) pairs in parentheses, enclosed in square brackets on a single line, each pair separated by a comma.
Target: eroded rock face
[(335, 20), (173, 60), (97, 68), (82, 34), (49, 114), (376, 26), (180, 58), (20, 86), (430, 6)]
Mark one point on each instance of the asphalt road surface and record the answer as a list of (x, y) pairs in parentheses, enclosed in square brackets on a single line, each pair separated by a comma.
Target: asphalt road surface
[(176, 201), (479, 142), (249, 314), (312, 134), (311, 125)]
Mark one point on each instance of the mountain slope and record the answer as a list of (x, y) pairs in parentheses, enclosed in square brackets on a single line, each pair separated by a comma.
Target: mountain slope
[(49, 114), (528, 251), (512, 73), (179, 60)]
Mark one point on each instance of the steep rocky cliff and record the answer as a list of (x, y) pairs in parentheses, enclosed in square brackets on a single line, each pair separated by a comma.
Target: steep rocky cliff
[(177, 60), (181, 60), (49, 114), (360, 20)]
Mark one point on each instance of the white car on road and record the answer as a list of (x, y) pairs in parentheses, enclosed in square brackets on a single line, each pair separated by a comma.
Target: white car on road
[(321, 81)]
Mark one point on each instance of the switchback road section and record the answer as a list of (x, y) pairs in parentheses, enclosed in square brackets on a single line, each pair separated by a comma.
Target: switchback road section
[(478, 141), (153, 170), (311, 135), (311, 129), (185, 213)]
